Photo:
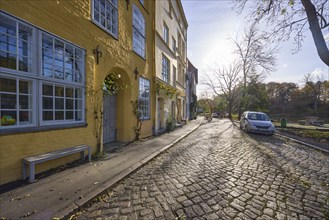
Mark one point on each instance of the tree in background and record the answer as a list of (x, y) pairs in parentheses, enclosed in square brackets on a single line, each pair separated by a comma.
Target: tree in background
[(290, 100), (220, 105), (315, 88), (257, 98), (289, 18), (280, 95), (225, 81), (256, 58)]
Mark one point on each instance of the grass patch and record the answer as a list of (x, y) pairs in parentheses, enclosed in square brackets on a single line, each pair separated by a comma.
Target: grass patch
[(321, 136)]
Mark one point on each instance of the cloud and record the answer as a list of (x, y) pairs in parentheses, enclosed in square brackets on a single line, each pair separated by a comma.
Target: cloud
[(320, 72), (326, 38), (285, 65)]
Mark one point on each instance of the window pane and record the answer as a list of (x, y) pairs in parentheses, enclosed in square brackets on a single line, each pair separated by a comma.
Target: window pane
[(24, 101), (7, 85), (69, 104), (59, 72), (25, 116), (59, 47), (8, 60), (78, 93), (24, 64), (59, 115), (144, 98), (8, 101), (59, 103), (47, 42), (69, 53), (47, 56), (47, 103), (96, 16), (69, 65), (8, 118), (69, 92), (8, 43), (78, 104), (69, 114), (59, 60), (59, 91), (47, 115), (7, 26), (24, 87), (47, 72), (68, 75), (47, 90), (114, 2), (78, 115), (24, 32)]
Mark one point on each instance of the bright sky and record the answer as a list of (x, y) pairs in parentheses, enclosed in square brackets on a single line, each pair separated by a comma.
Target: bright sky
[(213, 22)]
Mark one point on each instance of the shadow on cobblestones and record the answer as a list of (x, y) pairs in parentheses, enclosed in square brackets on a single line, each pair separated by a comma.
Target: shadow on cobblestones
[(219, 172)]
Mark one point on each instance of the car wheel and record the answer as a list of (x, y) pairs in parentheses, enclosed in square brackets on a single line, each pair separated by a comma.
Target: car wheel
[(246, 128)]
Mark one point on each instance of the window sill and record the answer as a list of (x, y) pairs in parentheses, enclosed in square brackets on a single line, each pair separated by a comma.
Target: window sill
[(103, 29), (144, 58), (41, 129)]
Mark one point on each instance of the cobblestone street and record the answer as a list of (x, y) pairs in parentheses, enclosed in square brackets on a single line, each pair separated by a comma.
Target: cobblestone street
[(220, 172)]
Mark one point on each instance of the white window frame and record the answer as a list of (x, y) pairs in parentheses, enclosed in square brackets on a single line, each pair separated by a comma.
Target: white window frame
[(145, 112), (165, 73), (165, 33), (174, 75), (32, 109), (139, 38), (112, 16), (35, 76)]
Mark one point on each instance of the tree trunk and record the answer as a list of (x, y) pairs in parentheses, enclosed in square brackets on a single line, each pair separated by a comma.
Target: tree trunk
[(317, 35)]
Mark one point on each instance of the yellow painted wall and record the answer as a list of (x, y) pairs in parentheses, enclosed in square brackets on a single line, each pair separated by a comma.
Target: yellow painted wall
[(71, 20)]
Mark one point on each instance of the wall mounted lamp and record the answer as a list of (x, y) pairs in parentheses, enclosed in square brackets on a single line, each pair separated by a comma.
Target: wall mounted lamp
[(136, 72), (98, 54)]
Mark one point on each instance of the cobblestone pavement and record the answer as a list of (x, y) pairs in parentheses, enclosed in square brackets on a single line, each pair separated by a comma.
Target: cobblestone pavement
[(220, 172)]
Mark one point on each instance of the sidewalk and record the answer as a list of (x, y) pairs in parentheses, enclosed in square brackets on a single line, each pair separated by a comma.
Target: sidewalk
[(61, 193)]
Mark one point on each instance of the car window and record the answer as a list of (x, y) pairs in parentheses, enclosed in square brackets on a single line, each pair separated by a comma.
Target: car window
[(257, 116)]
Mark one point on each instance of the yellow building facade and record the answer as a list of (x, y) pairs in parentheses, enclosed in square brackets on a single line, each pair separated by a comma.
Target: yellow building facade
[(70, 72)]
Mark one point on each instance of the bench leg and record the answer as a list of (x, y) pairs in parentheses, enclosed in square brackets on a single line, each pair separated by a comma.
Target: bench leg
[(24, 171), (32, 173), (89, 154), (82, 155)]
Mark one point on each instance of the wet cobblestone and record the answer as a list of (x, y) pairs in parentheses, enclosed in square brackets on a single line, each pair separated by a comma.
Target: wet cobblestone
[(220, 172)]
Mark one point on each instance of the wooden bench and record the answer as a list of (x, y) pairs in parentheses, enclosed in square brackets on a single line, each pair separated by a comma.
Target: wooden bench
[(32, 161)]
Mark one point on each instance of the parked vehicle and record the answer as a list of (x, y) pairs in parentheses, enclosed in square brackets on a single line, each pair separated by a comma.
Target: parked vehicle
[(215, 115), (257, 122)]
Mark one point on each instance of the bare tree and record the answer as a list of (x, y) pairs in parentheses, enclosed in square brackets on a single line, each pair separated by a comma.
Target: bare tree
[(225, 81), (316, 88), (256, 55), (289, 18)]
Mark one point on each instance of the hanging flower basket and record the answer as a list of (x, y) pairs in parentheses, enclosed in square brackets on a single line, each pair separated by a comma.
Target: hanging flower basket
[(168, 90), (111, 84)]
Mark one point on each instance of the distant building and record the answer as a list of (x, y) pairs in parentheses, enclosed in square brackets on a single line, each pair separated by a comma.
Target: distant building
[(191, 97), (170, 62)]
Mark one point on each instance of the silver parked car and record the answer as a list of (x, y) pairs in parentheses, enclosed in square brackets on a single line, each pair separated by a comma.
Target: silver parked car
[(257, 122)]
